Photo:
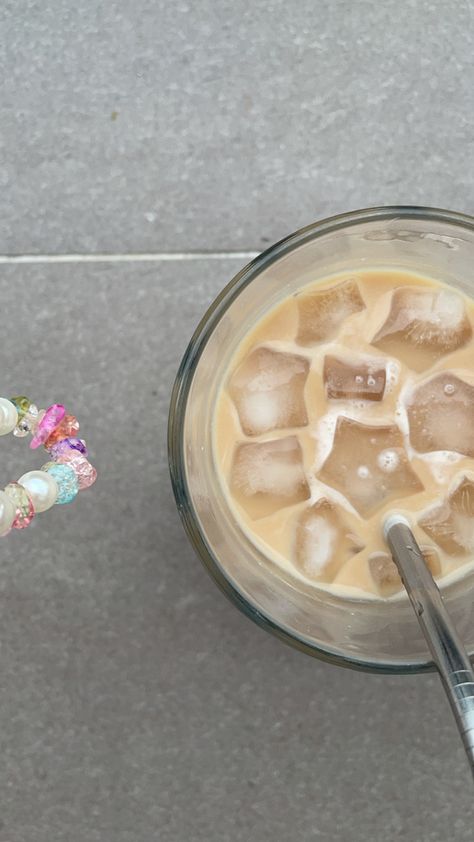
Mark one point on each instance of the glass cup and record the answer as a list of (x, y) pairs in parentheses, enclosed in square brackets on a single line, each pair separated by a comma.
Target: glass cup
[(368, 634)]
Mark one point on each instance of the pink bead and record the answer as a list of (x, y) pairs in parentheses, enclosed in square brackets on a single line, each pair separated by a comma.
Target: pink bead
[(51, 419), (85, 472)]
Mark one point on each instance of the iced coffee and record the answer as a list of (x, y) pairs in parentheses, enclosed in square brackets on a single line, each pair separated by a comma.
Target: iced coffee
[(351, 399)]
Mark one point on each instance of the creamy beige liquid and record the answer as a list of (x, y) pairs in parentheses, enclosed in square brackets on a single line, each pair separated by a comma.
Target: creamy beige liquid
[(310, 473)]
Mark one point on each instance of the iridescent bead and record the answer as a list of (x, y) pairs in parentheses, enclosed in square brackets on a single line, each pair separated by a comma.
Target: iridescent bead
[(22, 429), (7, 513), (71, 444), (22, 404), (8, 416), (28, 422), (85, 472), (34, 416), (67, 481), (50, 421), (23, 505), (69, 426)]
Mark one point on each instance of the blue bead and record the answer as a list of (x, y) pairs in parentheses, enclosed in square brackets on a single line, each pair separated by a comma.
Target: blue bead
[(65, 476)]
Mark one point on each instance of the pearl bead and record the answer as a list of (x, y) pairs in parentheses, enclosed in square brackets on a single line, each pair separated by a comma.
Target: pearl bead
[(8, 416), (42, 488), (7, 513)]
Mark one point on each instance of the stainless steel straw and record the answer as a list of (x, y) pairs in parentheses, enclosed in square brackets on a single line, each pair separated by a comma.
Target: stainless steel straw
[(442, 638)]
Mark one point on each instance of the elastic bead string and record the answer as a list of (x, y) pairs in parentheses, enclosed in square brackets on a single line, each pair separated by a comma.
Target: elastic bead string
[(60, 479)]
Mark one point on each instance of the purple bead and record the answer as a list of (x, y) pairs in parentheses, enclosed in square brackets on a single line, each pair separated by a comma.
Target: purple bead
[(66, 445)]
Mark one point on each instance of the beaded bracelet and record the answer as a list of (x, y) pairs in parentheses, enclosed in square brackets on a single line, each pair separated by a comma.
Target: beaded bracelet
[(59, 480)]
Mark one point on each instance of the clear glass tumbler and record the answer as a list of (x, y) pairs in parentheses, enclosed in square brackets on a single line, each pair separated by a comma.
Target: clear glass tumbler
[(367, 634)]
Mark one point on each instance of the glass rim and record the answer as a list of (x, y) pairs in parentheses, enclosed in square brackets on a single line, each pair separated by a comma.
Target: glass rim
[(178, 403)]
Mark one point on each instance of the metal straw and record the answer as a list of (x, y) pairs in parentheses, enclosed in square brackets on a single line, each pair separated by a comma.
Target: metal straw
[(443, 640)]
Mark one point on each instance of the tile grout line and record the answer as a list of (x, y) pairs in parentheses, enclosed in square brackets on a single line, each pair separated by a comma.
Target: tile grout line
[(145, 257)]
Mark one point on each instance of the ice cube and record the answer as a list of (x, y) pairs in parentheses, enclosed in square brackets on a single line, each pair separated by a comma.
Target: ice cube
[(369, 465), (451, 525), (422, 325), (321, 313), (363, 379), (432, 560), (441, 415), (385, 573), (324, 541), (267, 476), (268, 391)]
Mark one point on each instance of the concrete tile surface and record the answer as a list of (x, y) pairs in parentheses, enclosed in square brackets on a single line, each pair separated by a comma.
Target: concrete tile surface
[(136, 703), (148, 125)]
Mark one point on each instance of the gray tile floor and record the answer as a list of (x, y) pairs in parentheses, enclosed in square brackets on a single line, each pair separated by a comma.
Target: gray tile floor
[(136, 703)]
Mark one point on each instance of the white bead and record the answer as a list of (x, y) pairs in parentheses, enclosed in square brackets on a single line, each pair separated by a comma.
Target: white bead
[(7, 513), (8, 416), (42, 488)]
